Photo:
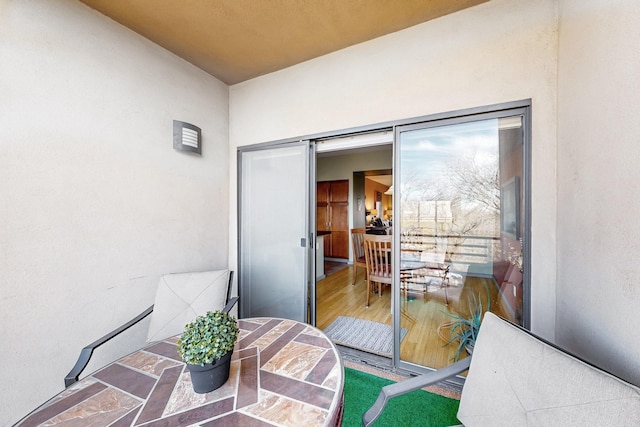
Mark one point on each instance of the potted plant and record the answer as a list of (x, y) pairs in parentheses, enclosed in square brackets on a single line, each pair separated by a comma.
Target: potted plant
[(206, 346), (463, 329)]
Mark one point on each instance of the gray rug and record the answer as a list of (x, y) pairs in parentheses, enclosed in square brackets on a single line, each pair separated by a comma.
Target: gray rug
[(366, 335)]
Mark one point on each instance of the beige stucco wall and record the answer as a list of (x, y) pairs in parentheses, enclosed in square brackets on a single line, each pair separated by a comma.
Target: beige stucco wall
[(95, 204), (496, 52), (598, 285)]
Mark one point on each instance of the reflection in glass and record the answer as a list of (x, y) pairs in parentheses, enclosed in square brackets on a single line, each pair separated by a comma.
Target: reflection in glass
[(460, 223)]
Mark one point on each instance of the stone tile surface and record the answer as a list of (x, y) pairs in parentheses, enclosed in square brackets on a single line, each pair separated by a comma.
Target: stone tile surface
[(283, 373)]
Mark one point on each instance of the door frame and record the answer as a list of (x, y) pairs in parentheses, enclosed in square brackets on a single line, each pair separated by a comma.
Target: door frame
[(317, 139)]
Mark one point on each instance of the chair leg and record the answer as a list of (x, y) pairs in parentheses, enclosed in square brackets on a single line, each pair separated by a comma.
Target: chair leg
[(355, 274), (446, 297), (368, 290)]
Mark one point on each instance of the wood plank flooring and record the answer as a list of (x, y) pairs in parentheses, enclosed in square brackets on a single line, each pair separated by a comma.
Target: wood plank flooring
[(421, 313)]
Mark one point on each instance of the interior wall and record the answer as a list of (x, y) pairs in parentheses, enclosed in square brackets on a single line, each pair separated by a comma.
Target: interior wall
[(371, 187), (598, 231), (359, 212), (495, 52), (96, 204), (342, 166)]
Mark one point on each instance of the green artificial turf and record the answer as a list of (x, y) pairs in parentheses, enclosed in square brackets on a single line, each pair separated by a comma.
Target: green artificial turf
[(418, 408)]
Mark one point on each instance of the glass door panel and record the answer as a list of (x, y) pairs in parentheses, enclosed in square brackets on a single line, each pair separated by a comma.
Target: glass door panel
[(274, 227), (458, 216)]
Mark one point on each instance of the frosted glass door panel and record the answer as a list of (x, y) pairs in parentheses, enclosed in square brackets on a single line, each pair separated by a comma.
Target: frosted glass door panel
[(273, 229)]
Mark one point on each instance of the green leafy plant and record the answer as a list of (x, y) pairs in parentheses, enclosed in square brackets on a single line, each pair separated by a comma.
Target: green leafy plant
[(208, 338), (464, 328)]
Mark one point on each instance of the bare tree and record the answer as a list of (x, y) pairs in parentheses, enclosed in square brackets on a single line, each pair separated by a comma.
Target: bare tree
[(477, 182)]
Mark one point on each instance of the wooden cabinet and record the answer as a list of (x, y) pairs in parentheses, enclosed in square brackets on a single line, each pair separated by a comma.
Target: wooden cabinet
[(332, 214)]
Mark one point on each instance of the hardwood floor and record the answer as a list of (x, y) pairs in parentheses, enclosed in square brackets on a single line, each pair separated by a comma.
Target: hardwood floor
[(421, 314)]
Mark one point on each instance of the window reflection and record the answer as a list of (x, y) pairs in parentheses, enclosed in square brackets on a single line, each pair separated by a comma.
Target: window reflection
[(459, 214)]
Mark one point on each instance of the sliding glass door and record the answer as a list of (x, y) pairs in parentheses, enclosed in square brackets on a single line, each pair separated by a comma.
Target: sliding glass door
[(460, 228), (274, 246), (459, 224)]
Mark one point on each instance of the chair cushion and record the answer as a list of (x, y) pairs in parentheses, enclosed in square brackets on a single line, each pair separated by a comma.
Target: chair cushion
[(515, 379), (181, 298)]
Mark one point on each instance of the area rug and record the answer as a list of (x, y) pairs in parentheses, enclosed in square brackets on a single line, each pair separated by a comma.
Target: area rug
[(418, 408), (366, 335)]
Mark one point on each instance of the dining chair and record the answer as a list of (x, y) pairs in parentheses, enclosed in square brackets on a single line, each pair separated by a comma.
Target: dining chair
[(357, 243), (432, 274), (377, 251)]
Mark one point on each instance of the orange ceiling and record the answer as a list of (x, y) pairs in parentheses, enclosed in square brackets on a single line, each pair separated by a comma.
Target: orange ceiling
[(236, 40)]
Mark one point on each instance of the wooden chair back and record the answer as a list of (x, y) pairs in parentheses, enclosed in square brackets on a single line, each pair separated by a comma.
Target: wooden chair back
[(357, 245), (377, 251)]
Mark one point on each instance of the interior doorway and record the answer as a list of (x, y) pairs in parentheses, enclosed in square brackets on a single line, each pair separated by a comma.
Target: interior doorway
[(366, 332)]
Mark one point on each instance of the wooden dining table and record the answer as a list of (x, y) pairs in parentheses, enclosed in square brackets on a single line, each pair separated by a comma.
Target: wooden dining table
[(283, 373)]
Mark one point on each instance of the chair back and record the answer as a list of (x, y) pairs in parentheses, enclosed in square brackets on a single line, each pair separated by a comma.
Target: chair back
[(180, 298), (518, 379), (357, 244), (436, 254), (377, 251)]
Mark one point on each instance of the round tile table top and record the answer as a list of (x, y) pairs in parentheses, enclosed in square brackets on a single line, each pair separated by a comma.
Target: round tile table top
[(282, 373)]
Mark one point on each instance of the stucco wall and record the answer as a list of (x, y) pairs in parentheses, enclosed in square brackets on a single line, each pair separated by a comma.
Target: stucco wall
[(95, 203), (598, 229), (496, 52)]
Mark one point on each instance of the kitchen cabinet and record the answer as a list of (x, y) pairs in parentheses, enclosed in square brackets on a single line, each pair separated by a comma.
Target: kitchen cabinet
[(332, 214)]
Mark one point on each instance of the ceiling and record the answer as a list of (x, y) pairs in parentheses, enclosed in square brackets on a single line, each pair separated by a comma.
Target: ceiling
[(382, 179), (236, 40)]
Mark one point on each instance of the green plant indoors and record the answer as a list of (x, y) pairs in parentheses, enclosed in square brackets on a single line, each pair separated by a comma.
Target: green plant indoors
[(464, 328), (208, 338)]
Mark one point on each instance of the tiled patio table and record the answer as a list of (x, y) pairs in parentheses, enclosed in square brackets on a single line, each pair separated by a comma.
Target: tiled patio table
[(282, 373)]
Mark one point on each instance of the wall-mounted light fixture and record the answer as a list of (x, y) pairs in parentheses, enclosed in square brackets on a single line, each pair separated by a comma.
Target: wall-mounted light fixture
[(187, 137)]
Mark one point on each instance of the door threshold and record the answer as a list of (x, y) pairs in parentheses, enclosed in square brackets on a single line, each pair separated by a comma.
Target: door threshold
[(365, 358), (450, 388), (342, 260)]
